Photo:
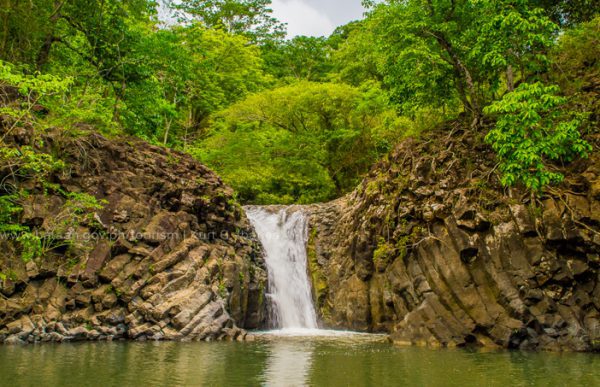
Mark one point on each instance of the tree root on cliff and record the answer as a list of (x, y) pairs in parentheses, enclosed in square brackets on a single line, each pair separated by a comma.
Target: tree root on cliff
[(428, 237), (560, 196)]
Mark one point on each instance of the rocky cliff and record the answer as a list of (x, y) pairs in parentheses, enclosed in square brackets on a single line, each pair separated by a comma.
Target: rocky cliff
[(433, 250), (170, 254)]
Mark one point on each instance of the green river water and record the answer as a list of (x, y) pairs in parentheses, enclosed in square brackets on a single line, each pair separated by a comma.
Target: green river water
[(339, 361)]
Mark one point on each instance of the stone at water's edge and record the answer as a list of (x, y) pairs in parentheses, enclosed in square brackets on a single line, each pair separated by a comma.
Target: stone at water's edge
[(183, 266), (432, 250)]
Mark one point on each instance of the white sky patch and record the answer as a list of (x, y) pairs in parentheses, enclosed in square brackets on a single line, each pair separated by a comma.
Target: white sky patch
[(302, 18)]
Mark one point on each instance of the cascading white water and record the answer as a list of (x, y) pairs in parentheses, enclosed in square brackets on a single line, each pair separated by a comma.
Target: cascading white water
[(283, 235)]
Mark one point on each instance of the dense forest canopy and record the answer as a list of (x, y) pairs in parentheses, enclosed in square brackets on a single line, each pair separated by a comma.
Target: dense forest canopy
[(302, 119)]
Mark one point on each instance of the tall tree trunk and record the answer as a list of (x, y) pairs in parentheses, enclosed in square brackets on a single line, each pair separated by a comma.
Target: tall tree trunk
[(170, 120), (6, 8), (167, 128), (465, 83), (474, 98), (119, 95), (49, 39), (510, 78), (188, 126)]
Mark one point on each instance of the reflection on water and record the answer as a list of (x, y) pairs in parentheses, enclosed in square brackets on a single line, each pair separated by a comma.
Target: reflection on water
[(289, 363), (340, 361)]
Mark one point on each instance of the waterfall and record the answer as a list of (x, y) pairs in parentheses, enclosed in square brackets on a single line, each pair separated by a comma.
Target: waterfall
[(283, 235)]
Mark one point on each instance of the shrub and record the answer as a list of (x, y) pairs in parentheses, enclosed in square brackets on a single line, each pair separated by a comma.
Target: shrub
[(532, 129)]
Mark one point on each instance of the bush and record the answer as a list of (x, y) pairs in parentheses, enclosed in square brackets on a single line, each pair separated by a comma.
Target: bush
[(576, 68), (532, 128), (27, 163)]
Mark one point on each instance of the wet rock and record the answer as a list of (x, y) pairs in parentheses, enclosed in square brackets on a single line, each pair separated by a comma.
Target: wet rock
[(14, 340)]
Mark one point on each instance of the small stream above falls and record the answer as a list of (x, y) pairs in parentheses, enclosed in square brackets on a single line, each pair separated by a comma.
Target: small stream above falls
[(283, 234)]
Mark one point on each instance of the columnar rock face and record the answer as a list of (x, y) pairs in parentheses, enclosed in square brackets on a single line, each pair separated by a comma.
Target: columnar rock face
[(170, 255), (431, 249)]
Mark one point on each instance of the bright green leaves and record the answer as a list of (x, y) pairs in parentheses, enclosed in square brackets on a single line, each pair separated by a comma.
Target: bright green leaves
[(198, 71), (35, 167), (302, 143), (9, 209), (250, 18), (511, 33), (531, 130), (410, 62), (38, 84), (442, 54), (301, 58), (28, 163), (35, 88), (17, 164)]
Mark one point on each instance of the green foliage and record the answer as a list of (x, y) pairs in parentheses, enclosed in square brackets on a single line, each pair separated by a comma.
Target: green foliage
[(576, 68), (192, 72), (226, 69), (27, 164), (218, 81), (35, 89), (356, 60), (512, 36), (301, 143), (37, 86), (21, 164), (301, 58), (9, 210), (383, 251), (251, 18), (532, 129), (442, 55), (30, 164)]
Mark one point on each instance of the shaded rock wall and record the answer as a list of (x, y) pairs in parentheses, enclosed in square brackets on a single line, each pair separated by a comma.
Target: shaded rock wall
[(173, 257), (431, 249)]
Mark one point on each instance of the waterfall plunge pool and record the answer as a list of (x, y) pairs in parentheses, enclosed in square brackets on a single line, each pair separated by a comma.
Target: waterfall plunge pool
[(297, 353), (294, 361), (317, 333)]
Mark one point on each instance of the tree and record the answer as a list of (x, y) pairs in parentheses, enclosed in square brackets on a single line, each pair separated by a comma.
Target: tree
[(512, 37), (226, 68), (301, 58), (303, 143), (251, 18), (435, 51), (568, 12), (24, 26), (355, 59), (191, 72), (31, 29)]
